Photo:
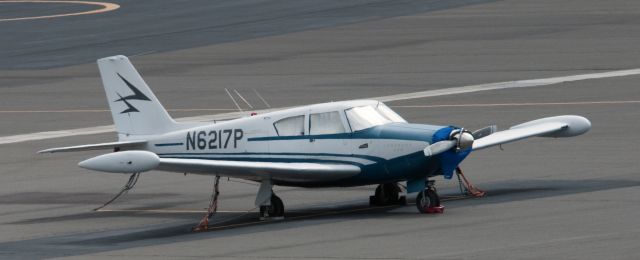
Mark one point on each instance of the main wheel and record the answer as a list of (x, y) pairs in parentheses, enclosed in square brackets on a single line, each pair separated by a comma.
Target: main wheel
[(427, 199), (275, 210), (386, 194)]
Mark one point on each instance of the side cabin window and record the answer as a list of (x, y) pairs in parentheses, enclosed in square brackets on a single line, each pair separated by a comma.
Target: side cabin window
[(325, 123), (290, 126)]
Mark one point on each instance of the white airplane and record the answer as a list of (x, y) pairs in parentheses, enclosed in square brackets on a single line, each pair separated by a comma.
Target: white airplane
[(337, 144)]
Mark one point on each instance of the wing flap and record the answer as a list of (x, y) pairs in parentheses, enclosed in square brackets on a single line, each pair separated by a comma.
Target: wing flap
[(277, 171), (101, 146)]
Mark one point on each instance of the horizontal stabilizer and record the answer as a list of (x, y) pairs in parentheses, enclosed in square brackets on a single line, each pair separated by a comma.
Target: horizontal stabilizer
[(102, 146)]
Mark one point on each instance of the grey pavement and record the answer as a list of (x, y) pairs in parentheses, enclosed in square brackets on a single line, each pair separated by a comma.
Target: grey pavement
[(574, 198)]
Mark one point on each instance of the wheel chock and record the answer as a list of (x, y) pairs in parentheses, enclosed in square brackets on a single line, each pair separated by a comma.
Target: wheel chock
[(434, 210)]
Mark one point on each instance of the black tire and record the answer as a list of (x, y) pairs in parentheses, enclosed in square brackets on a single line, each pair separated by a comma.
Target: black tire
[(275, 210), (427, 199), (278, 206), (387, 194)]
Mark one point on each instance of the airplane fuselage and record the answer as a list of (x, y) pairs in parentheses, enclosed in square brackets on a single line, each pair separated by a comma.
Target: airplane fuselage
[(385, 153)]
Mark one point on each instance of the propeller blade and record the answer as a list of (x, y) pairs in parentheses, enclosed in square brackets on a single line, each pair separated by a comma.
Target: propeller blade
[(485, 131), (439, 147)]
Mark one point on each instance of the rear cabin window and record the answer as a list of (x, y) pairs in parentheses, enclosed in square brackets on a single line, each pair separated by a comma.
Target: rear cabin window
[(325, 123), (290, 126)]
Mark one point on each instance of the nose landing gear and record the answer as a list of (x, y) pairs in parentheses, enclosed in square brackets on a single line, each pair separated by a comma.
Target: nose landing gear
[(428, 200)]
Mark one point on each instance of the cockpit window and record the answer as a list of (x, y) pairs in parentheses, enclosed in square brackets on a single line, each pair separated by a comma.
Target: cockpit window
[(290, 126), (325, 123), (369, 116)]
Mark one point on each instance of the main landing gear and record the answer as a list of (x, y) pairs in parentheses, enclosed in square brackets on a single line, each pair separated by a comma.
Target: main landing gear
[(388, 194), (428, 200), (271, 206), (273, 211)]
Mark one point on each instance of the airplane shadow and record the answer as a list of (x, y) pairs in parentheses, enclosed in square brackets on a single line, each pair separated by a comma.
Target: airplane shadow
[(236, 224)]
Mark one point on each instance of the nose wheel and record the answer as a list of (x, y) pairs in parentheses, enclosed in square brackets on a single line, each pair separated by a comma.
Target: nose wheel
[(428, 200)]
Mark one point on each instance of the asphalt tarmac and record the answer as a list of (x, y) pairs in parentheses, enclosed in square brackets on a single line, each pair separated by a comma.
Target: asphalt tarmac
[(574, 198)]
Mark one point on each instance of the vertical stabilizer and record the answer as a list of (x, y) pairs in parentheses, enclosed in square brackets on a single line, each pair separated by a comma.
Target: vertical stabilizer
[(135, 109)]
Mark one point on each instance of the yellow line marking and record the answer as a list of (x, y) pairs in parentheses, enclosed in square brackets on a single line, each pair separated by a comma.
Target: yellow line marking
[(525, 104), (106, 110), (106, 7)]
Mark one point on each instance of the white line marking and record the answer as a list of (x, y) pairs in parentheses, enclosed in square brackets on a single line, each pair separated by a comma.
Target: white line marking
[(106, 110), (401, 106), (421, 94), (56, 134), (241, 97), (527, 104), (167, 210), (260, 96), (233, 99), (109, 128), (508, 84)]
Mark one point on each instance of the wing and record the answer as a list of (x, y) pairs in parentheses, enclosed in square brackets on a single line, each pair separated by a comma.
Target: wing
[(558, 126), (277, 171), (101, 146)]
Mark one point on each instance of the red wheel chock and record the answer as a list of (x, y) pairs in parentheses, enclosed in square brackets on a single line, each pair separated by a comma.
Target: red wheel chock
[(434, 210)]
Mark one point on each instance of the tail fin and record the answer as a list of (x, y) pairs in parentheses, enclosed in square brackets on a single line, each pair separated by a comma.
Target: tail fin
[(135, 109)]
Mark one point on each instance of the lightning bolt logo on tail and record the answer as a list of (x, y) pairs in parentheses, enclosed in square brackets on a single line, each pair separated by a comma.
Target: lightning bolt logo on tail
[(137, 95)]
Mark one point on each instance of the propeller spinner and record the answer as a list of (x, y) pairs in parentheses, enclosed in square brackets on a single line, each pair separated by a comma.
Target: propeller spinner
[(460, 138)]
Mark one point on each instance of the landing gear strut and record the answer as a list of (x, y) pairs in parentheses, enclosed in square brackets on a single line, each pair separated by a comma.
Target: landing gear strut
[(428, 200), (387, 194), (271, 206)]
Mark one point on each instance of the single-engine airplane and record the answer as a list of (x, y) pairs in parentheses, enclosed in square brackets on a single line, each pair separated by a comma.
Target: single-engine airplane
[(336, 144)]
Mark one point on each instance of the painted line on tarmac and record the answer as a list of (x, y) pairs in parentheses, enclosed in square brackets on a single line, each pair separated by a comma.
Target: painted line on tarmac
[(620, 102), (106, 7), (508, 84), (414, 95), (166, 211), (106, 110), (526, 104)]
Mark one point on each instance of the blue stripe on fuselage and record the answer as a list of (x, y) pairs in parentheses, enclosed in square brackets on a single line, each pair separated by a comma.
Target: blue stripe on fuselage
[(359, 156)]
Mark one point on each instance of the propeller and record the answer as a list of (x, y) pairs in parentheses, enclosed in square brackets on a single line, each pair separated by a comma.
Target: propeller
[(460, 138)]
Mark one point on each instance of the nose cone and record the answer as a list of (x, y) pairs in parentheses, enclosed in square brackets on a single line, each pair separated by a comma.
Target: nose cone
[(464, 139)]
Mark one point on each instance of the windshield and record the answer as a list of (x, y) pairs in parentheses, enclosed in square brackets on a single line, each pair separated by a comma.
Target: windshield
[(369, 116), (389, 114)]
